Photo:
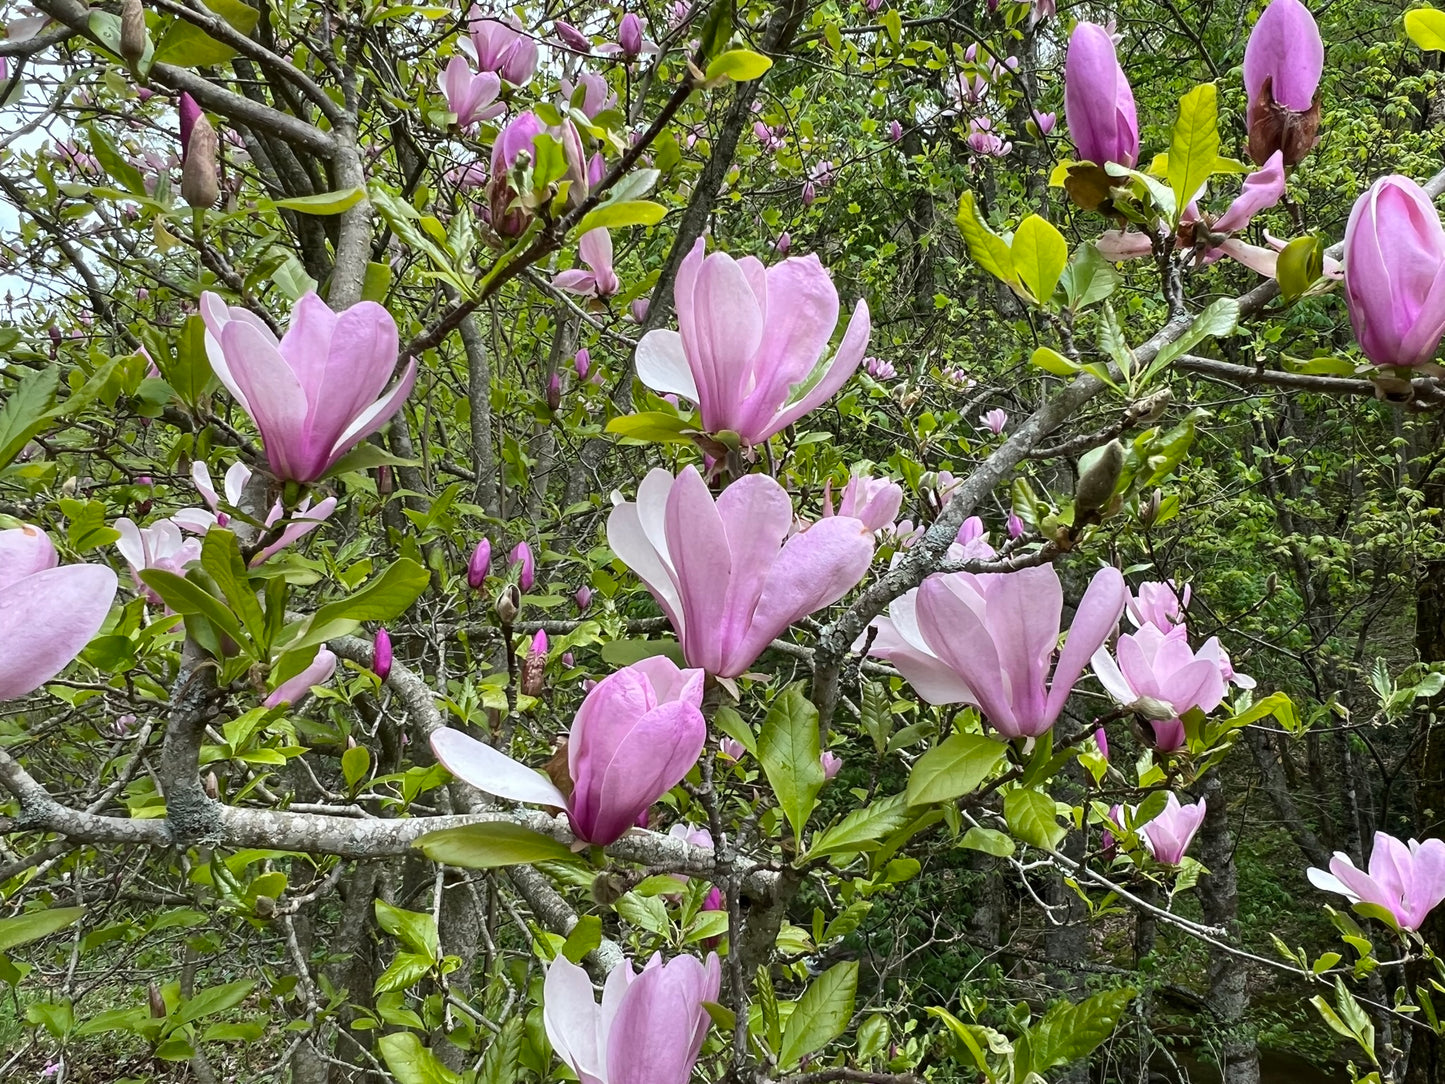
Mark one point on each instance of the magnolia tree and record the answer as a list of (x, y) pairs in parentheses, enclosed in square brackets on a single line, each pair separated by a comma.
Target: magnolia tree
[(608, 613)]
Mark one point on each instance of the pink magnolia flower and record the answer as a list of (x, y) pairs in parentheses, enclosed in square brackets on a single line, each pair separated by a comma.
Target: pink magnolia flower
[(783, 243), (879, 369), (1101, 739), (303, 521), (1159, 675), (48, 612), (638, 310), (1395, 273), (1044, 122), (649, 1028), (478, 564), (897, 638), (772, 138), (631, 39), (731, 749), (637, 733), (318, 392), (583, 597), (749, 337), (1014, 526), (582, 363), (595, 250), (511, 143), (1283, 62), (1407, 880), (597, 95), (201, 520), (895, 131), (161, 545), (1159, 604), (295, 689), (522, 555), (1098, 104), (832, 765), (381, 657), (994, 420), (984, 141), (501, 47), (1169, 834), (874, 501), (998, 631), (726, 573), (472, 96)]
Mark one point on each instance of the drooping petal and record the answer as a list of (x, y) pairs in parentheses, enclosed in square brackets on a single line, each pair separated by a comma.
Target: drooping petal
[(662, 365), (492, 771), (1094, 622), (572, 1020)]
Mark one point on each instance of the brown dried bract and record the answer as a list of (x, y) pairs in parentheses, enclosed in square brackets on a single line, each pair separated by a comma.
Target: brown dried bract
[(1272, 128)]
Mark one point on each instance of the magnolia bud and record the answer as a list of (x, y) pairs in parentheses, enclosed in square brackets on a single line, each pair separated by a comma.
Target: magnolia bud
[(265, 907), (158, 1003), (1149, 510), (534, 666), (1098, 475), (132, 31), (381, 654), (213, 786), (522, 555), (200, 182), (508, 603), (554, 391), (478, 565), (608, 888)]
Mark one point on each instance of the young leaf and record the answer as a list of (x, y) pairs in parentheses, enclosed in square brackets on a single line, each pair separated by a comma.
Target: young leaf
[(987, 248), (789, 751), (1039, 254), (955, 767), (490, 845), (1032, 818), (1195, 144)]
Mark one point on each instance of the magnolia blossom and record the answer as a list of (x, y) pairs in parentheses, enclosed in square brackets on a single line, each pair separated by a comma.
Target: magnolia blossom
[(320, 390), (631, 42), (832, 765), (302, 521), (201, 520), (501, 47), (725, 572), (1044, 122), (897, 639), (478, 564), (1169, 834), (637, 733), (1395, 273), (772, 138), (998, 632), (983, 140), (1159, 675), (48, 612), (1098, 104), (571, 37), (472, 96), (649, 1028), (597, 95), (595, 250), (994, 420), (1283, 62), (512, 142), (879, 369), (295, 689), (381, 655), (749, 338), (1407, 880), (161, 545), (874, 501), (521, 556), (1159, 604)]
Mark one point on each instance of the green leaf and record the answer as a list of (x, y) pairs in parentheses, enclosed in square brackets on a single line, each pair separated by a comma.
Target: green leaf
[(499, 1063), (1069, 1032), (324, 203), (1426, 27), (368, 456), (411, 1062), (1039, 254), (789, 751), (384, 598), (185, 597), (355, 763), (893, 23), (492, 845), (653, 426), (615, 214), (241, 1032), (1032, 818), (821, 1014), (25, 411), (739, 65), (863, 828), (1089, 278), (417, 930), (216, 999), (221, 558), (114, 163), (956, 767), (33, 925), (1195, 144), (1299, 266), (1051, 361), (585, 937), (989, 841), (987, 248), (1220, 317), (188, 46)]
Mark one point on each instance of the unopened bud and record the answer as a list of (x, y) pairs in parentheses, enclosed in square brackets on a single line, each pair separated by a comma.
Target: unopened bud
[(478, 565), (1098, 475), (1149, 510), (132, 31), (583, 597), (381, 654), (554, 392), (522, 555), (213, 786), (608, 888), (1153, 708), (265, 907), (158, 1003), (200, 182), (508, 603)]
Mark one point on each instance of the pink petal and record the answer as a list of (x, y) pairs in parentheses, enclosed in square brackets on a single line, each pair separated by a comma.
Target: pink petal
[(46, 619)]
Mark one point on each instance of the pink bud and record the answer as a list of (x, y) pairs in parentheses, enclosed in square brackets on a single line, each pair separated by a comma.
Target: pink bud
[(539, 644), (638, 310), (895, 131), (572, 37), (832, 765), (1015, 526), (478, 565), (522, 555), (381, 654), (810, 193), (582, 363), (583, 597), (629, 35), (731, 749), (554, 391), (1102, 740), (783, 243), (567, 660)]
